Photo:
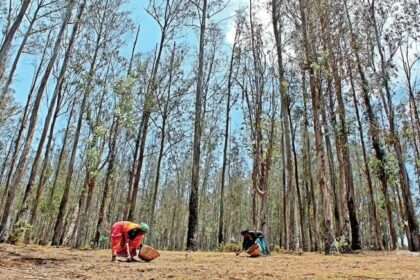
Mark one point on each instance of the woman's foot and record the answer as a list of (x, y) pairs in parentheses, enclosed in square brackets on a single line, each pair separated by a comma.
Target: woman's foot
[(114, 258)]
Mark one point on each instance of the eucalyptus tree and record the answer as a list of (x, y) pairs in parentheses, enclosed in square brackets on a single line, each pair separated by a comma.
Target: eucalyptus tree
[(231, 75), (108, 23), (204, 11), (374, 128), (307, 31), (17, 178), (168, 14), (9, 36), (50, 120), (393, 41)]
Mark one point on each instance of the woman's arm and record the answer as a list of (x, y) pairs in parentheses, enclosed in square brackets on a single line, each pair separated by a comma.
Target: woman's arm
[(239, 252)]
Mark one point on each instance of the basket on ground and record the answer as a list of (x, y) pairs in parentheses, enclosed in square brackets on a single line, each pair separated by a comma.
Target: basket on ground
[(255, 250), (148, 254)]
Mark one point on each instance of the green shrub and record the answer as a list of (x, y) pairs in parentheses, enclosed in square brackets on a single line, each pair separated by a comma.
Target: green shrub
[(343, 244), (18, 232)]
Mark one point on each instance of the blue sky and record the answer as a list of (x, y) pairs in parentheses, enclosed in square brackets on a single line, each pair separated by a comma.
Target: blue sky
[(149, 33)]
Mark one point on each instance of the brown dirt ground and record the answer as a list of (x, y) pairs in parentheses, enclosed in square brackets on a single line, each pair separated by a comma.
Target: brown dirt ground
[(35, 262)]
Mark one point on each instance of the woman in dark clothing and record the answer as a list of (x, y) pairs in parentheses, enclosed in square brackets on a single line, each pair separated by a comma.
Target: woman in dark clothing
[(252, 237)]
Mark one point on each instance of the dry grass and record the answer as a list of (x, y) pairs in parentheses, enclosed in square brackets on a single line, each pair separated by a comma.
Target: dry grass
[(34, 262)]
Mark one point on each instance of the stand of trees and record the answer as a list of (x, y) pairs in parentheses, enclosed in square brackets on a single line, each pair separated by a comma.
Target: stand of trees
[(299, 118)]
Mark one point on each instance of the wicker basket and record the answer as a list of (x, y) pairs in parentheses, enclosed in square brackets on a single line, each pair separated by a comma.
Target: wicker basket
[(255, 250), (148, 254)]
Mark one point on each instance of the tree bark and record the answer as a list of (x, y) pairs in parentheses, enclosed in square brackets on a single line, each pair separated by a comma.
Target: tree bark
[(414, 244), (5, 47), (329, 237), (195, 173), (17, 178), (374, 132)]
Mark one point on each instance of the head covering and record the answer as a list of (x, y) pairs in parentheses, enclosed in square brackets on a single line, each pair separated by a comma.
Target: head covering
[(245, 231), (144, 227)]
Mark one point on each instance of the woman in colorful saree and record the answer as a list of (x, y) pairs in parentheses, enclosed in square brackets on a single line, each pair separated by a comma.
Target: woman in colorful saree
[(126, 238)]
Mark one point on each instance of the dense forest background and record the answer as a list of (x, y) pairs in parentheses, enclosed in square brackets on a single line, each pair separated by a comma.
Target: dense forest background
[(299, 118)]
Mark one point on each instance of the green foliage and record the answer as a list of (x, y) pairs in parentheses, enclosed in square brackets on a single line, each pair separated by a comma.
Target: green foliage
[(18, 232), (229, 247), (343, 244)]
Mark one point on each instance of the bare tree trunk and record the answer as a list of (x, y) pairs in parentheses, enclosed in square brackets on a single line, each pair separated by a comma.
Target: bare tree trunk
[(4, 50), (308, 171), (165, 116), (54, 103), (410, 213), (374, 133), (277, 26), (144, 125), (374, 216), (17, 178), (19, 52), (59, 224), (221, 238), (195, 174), (329, 237), (22, 125), (45, 232)]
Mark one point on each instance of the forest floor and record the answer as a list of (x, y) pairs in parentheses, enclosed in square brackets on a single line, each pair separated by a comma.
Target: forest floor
[(35, 262)]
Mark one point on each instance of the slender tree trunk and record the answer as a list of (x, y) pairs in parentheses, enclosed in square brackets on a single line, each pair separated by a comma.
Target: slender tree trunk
[(54, 103), (22, 125), (337, 201), (374, 215), (410, 213), (162, 144), (277, 26), (144, 124), (45, 235), (308, 170), (17, 178), (221, 238), (111, 164), (374, 132), (108, 178), (19, 52), (195, 173), (5, 47), (59, 224), (329, 237)]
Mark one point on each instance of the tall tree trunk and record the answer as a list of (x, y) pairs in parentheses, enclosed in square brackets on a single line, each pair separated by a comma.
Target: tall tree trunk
[(308, 170), (54, 103), (195, 173), (22, 124), (374, 215), (220, 236), (59, 224), (17, 178), (329, 237), (144, 124), (5, 47), (19, 52), (410, 213), (112, 159), (45, 230), (277, 26), (165, 116), (373, 131)]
